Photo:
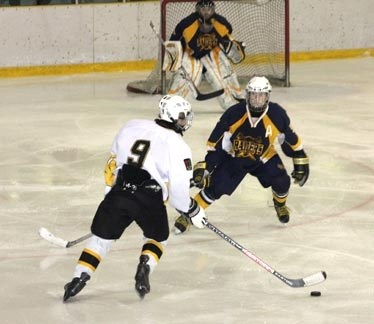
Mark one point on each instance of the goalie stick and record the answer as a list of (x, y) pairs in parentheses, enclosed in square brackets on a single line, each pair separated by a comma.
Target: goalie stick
[(48, 236), (199, 96), (311, 280)]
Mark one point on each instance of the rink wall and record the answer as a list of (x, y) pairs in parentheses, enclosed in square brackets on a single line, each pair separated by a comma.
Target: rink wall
[(114, 37)]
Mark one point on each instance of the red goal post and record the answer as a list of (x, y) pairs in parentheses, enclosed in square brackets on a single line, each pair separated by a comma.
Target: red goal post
[(263, 25)]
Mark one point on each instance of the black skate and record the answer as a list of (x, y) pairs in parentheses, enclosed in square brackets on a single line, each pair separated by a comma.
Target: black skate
[(283, 212), (142, 277), (75, 286)]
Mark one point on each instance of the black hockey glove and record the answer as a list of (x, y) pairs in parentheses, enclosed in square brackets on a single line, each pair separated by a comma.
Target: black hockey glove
[(301, 167), (200, 175)]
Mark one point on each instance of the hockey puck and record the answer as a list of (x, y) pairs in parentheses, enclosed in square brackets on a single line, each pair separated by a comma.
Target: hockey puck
[(315, 293)]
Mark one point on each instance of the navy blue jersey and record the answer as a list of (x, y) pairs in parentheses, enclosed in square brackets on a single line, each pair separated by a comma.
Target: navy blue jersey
[(252, 142), (197, 42)]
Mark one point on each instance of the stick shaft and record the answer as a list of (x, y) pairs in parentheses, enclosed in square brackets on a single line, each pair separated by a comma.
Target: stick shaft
[(294, 283), (81, 239)]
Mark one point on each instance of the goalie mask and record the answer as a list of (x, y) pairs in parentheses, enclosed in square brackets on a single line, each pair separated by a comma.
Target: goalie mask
[(257, 95), (205, 10), (177, 111)]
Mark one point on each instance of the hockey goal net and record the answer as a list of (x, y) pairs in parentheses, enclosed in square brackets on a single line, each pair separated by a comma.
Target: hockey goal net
[(262, 24)]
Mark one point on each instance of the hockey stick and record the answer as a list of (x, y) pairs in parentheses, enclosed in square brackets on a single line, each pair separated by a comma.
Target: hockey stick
[(199, 96), (311, 280), (47, 235)]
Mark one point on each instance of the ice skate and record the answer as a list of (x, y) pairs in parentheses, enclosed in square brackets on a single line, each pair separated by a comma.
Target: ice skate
[(283, 212), (142, 285), (181, 225), (75, 286)]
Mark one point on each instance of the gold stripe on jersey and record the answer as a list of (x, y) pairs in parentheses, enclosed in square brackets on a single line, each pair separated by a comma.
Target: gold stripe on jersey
[(298, 144), (236, 125), (220, 28), (271, 132), (232, 129), (190, 31)]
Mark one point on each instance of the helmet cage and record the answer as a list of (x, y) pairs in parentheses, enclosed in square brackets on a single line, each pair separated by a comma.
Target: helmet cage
[(258, 94), (205, 9)]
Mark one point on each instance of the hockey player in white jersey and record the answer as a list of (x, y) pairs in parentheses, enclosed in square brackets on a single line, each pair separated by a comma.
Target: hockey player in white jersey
[(149, 164)]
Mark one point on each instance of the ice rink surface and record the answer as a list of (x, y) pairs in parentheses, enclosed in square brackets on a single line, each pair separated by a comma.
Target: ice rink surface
[(56, 133)]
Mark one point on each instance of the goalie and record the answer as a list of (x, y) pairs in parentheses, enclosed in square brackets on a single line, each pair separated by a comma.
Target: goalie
[(202, 46)]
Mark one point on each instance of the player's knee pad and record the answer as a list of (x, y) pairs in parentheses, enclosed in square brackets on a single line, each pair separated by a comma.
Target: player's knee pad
[(281, 184)]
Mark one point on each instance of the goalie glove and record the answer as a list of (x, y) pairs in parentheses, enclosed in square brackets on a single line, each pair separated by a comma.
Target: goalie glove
[(195, 214), (300, 172), (200, 175), (173, 56), (235, 51)]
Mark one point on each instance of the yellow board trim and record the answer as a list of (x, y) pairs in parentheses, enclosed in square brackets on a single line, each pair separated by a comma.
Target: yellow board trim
[(23, 71), (13, 72)]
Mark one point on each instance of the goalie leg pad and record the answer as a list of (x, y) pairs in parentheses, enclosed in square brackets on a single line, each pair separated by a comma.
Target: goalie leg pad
[(181, 86), (173, 56), (220, 74)]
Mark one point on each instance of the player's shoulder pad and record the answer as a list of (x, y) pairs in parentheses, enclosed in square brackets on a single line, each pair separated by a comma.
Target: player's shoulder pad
[(235, 112), (189, 20), (222, 20), (275, 108), (278, 114)]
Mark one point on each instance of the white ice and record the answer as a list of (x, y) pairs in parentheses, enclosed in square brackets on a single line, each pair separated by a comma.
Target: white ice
[(55, 136)]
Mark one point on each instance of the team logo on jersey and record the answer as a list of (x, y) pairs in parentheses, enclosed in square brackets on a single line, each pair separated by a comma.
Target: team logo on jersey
[(188, 164), (248, 146), (207, 42)]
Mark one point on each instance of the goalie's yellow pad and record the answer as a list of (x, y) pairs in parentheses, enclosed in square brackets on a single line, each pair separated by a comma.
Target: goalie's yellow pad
[(110, 171), (173, 56)]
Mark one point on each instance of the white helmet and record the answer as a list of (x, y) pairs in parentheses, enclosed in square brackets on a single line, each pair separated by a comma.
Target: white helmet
[(176, 110), (258, 94)]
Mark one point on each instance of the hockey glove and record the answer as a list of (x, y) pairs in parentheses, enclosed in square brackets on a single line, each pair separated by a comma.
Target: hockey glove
[(200, 176), (110, 171), (196, 214), (300, 172), (235, 51)]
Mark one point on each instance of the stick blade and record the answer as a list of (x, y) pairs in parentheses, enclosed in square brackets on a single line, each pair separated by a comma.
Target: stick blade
[(48, 236), (315, 279), (210, 95)]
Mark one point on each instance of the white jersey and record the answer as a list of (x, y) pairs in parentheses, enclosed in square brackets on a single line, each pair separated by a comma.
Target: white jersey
[(160, 151)]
